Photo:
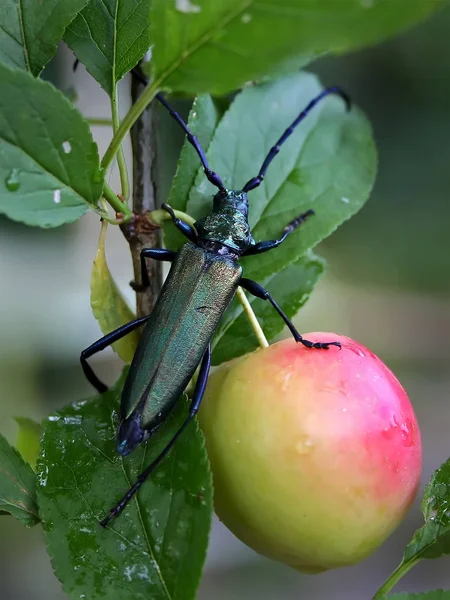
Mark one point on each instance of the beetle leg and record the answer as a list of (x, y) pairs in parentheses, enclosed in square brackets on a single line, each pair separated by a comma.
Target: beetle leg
[(185, 228), (103, 343), (269, 244), (193, 409), (260, 292), (157, 254)]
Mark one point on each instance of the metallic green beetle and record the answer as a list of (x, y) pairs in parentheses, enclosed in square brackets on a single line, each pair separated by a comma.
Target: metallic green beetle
[(201, 283)]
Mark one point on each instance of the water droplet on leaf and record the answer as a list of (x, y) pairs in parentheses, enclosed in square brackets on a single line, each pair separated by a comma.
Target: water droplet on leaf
[(12, 181), (76, 420), (186, 6)]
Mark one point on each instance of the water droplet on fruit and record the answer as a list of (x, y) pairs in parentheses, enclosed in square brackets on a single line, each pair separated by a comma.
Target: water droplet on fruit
[(285, 381), (407, 436), (356, 350), (12, 181), (304, 445)]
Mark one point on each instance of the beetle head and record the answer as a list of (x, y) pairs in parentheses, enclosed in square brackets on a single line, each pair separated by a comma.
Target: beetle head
[(130, 434)]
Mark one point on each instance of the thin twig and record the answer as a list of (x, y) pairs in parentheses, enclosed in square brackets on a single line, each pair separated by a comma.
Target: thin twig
[(140, 233)]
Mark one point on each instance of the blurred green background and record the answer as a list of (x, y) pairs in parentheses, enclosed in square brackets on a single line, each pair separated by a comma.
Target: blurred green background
[(388, 286)]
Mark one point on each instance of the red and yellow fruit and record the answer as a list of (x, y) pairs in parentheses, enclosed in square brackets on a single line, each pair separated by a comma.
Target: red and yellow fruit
[(316, 454)]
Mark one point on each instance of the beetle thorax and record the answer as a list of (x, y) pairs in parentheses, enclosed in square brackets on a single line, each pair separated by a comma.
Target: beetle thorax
[(227, 224)]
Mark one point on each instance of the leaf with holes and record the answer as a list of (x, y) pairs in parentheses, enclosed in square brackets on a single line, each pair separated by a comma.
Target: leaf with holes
[(108, 305), (156, 547), (17, 486), (215, 47), (31, 31), (110, 37), (49, 165)]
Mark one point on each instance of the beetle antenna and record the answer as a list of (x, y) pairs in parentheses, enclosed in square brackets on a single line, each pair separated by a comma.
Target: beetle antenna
[(210, 175), (255, 181)]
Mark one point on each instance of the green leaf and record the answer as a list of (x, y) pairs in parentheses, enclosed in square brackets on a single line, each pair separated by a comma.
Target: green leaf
[(110, 37), (291, 287), (49, 165), (108, 304), (203, 119), (28, 438), (434, 595), (215, 47), (156, 547), (291, 64), (328, 164), (30, 30), (17, 486), (432, 540)]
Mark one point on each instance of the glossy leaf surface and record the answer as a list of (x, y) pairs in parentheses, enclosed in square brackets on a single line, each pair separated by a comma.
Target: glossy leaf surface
[(49, 163), (432, 540), (156, 548), (17, 485), (215, 47), (30, 30), (108, 304), (110, 37)]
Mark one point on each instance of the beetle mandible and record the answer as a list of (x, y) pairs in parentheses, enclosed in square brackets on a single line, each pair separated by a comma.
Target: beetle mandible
[(202, 281)]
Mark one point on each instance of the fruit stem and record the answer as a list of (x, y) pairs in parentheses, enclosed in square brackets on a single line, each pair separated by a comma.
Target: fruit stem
[(158, 216), (262, 340)]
